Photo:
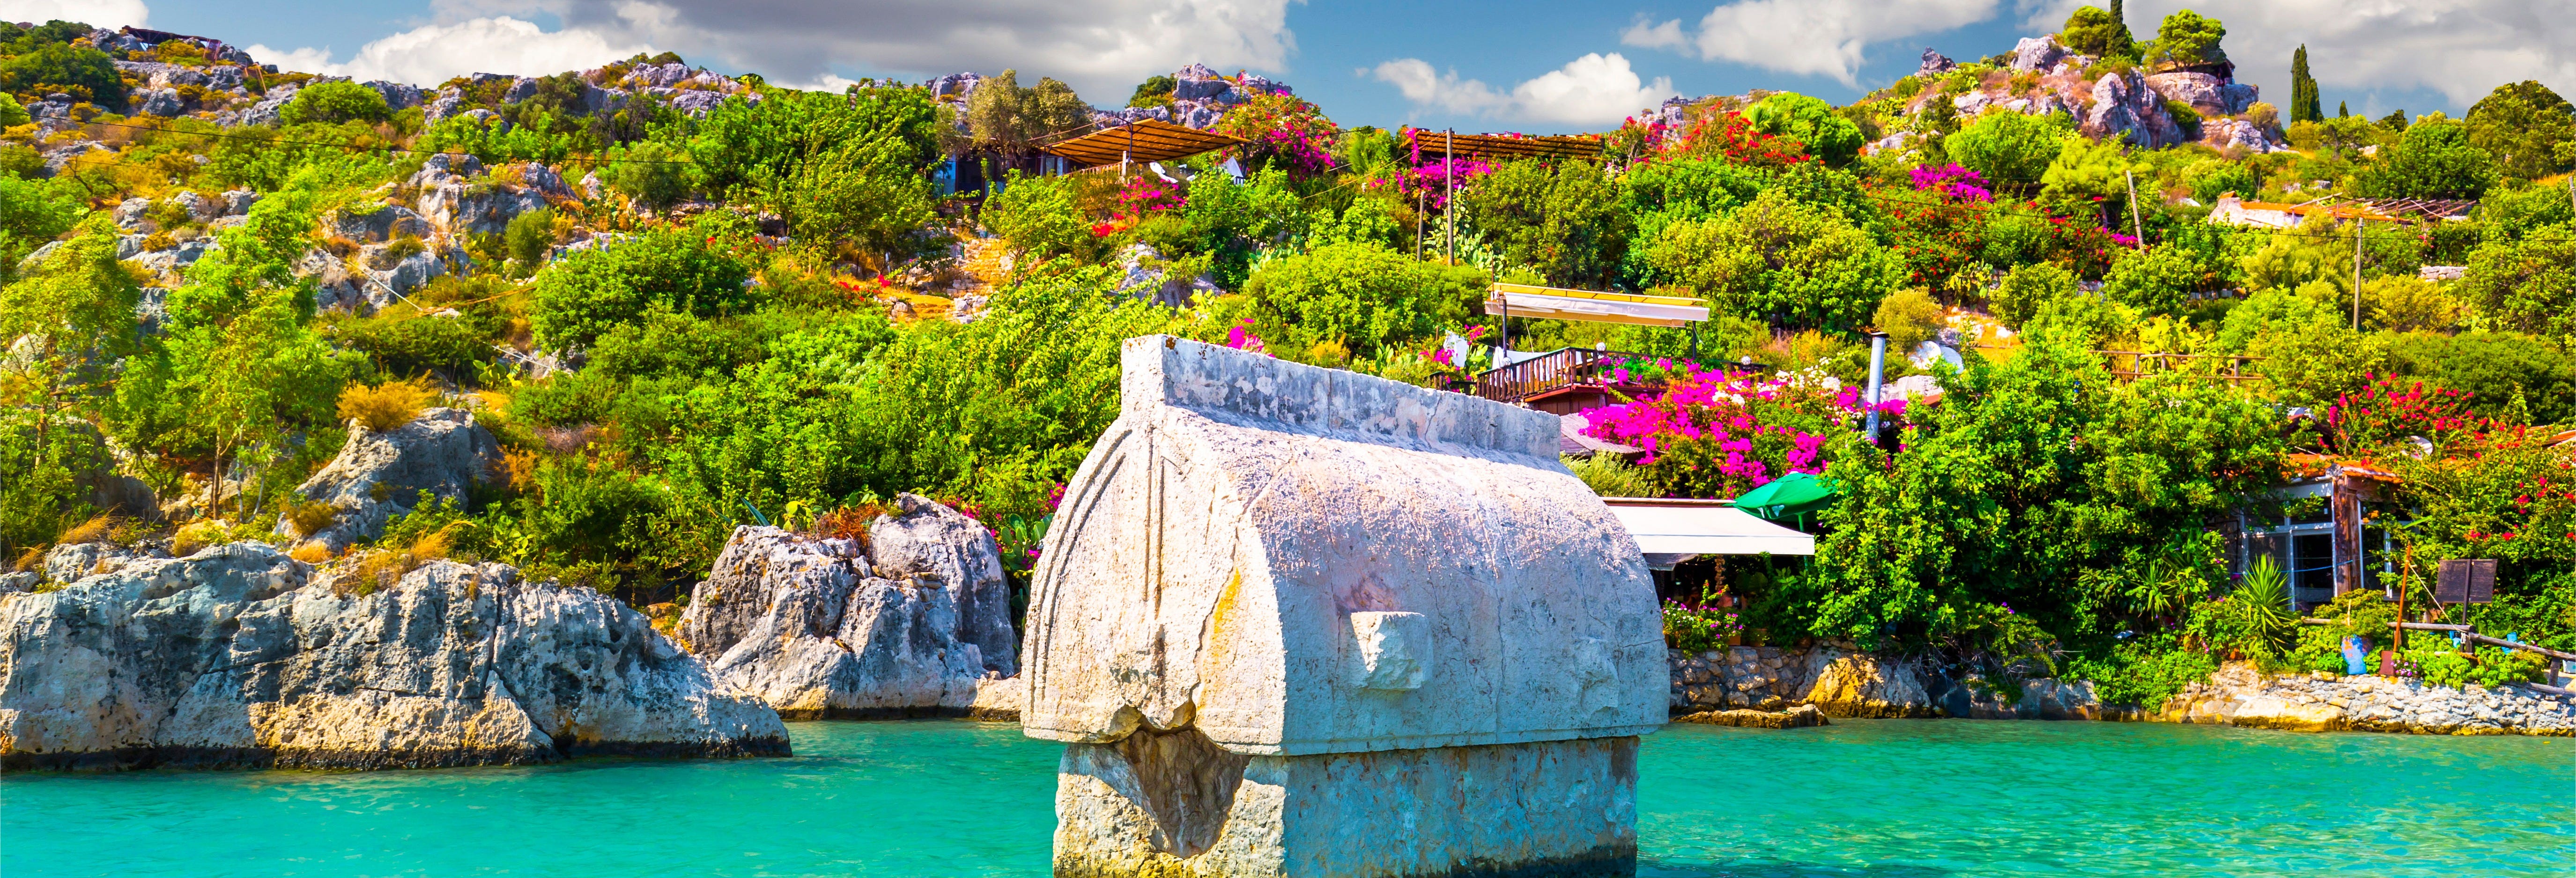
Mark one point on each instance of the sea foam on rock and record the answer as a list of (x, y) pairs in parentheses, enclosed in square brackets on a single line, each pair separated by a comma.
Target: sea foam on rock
[(240, 657), (915, 621)]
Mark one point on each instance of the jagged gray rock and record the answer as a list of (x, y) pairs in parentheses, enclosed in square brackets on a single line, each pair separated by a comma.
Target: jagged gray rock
[(2125, 108), (380, 475), (458, 206), (238, 656), (1935, 63), (2038, 54), (818, 630)]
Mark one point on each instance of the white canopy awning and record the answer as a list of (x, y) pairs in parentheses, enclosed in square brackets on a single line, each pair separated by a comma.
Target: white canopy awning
[(1704, 527), (1523, 300)]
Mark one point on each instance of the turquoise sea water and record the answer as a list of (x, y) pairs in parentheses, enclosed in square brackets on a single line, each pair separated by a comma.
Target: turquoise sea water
[(1863, 798)]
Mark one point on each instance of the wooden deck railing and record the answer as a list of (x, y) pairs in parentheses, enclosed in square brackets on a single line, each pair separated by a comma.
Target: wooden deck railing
[(1563, 367)]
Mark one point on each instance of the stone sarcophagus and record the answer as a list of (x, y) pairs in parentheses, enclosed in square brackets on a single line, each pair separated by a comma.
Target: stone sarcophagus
[(1294, 621)]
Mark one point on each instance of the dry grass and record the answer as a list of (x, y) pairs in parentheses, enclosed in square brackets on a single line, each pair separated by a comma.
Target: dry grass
[(846, 523), (314, 552), (379, 569), (28, 560), (196, 537), (385, 407), (94, 530)]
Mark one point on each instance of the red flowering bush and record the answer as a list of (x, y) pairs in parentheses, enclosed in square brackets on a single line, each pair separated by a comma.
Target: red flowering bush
[(1730, 136), (2387, 412)]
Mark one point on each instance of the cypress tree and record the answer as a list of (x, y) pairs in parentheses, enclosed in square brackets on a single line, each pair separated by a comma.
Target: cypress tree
[(2305, 105), (2343, 110)]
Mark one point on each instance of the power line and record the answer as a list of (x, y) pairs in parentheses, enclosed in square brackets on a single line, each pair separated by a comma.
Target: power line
[(592, 159)]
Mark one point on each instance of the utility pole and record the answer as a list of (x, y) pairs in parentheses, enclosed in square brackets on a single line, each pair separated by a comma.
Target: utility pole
[(1449, 202), (1421, 204), (2135, 226), (2360, 223)]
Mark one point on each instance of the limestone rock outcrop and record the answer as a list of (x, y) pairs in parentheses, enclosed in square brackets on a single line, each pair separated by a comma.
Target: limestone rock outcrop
[(381, 475), (1281, 604), (238, 656), (2125, 108), (915, 622), (1839, 679)]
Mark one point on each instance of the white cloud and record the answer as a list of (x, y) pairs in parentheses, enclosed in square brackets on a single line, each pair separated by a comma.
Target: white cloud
[(1101, 47), (1591, 90), (434, 53), (2461, 48), (1813, 37), (95, 13)]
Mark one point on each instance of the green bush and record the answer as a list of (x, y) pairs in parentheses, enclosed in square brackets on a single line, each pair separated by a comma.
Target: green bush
[(1364, 295), (2157, 281), (2010, 147), (2028, 289), (2143, 675), (2210, 180), (529, 236), (699, 271), (332, 103), (2093, 31), (1793, 264), (1826, 134), (83, 73), (1041, 216), (2525, 286), (2433, 159)]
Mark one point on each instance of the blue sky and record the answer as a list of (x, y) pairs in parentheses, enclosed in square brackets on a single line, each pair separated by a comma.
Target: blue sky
[(1478, 66)]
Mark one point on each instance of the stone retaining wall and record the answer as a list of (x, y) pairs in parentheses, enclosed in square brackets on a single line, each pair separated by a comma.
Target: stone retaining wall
[(1842, 681)]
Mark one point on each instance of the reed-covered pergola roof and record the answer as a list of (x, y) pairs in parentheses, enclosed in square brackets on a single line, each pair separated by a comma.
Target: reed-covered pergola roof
[(1144, 140), (1504, 146)]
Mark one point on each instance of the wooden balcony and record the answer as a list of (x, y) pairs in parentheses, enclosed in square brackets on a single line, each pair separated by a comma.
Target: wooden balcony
[(1562, 381)]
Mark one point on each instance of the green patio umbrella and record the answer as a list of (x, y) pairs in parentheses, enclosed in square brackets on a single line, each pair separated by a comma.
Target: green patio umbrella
[(1790, 496)]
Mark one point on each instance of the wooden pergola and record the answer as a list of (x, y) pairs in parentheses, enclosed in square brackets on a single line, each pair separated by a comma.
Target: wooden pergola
[(1144, 140), (1501, 146)]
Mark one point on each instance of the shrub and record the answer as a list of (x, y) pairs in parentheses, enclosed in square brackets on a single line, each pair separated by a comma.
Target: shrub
[(529, 236), (2009, 147), (1909, 317), (1363, 295), (1813, 122), (312, 517), (692, 271), (1609, 475), (2025, 290), (333, 103), (2158, 281), (384, 407)]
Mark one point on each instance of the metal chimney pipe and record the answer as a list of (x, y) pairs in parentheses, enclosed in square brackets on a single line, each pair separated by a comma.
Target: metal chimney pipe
[(1877, 379)]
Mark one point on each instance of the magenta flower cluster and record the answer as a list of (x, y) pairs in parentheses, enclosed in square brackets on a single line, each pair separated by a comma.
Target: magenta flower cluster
[(1241, 338), (1713, 432), (1954, 181)]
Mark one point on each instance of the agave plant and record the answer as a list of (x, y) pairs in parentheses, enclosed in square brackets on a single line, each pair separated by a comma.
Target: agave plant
[(2265, 596)]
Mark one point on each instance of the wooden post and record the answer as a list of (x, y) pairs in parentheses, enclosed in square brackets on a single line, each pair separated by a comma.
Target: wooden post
[(2135, 226), (2402, 580)]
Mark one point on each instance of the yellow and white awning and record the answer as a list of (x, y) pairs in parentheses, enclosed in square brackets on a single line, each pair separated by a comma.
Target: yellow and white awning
[(1552, 303)]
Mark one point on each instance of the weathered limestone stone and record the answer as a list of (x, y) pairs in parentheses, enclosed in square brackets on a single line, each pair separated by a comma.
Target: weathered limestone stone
[(238, 656), (818, 630), (1296, 621), (378, 476)]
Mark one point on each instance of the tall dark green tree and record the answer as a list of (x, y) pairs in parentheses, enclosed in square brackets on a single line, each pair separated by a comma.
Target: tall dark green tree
[(2305, 105)]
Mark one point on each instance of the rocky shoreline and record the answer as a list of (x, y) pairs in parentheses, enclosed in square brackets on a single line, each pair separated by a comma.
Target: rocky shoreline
[(238, 656), (1840, 681)]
